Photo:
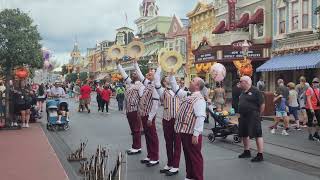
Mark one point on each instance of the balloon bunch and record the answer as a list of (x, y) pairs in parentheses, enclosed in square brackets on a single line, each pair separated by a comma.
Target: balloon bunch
[(46, 54)]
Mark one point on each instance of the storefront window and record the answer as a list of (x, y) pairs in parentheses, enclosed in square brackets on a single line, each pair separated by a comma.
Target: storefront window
[(295, 15), (259, 30), (305, 14), (282, 20)]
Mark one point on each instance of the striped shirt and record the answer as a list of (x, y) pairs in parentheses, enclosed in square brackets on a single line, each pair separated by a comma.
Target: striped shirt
[(170, 104), (132, 98), (186, 118), (146, 100)]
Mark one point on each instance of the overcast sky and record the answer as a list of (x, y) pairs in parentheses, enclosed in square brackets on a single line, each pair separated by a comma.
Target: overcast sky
[(60, 21)]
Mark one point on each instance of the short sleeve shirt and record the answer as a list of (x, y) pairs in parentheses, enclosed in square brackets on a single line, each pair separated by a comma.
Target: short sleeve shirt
[(251, 100), (314, 93)]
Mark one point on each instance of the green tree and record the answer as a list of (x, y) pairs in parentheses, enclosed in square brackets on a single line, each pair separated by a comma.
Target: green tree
[(143, 64), (19, 45), (83, 76), (64, 70), (72, 77)]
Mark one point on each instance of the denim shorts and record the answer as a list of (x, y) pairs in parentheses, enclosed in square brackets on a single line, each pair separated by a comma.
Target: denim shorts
[(281, 114)]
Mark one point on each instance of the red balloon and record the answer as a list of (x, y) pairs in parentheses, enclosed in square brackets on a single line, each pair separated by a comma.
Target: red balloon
[(22, 73)]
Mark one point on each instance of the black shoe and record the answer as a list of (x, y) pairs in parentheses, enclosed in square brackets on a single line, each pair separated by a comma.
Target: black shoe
[(88, 111), (164, 171), (245, 154), (144, 161), (133, 153), (149, 164), (258, 158), (311, 137), (169, 173)]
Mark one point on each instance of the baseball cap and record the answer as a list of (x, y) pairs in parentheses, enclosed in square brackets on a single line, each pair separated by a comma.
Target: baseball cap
[(315, 80)]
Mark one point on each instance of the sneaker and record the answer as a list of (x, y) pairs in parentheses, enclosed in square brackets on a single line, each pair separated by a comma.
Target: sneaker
[(284, 132), (297, 128), (316, 136), (311, 137), (59, 122), (27, 125), (273, 131), (23, 125), (258, 158), (15, 124), (245, 154)]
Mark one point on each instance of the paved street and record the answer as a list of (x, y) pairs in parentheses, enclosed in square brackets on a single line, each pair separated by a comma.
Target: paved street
[(289, 157)]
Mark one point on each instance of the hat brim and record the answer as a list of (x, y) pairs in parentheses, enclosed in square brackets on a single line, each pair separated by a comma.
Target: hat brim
[(171, 67)]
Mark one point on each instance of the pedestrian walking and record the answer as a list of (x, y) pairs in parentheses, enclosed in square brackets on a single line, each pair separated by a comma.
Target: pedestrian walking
[(293, 104), (41, 97), (313, 109), (148, 107), (105, 96), (99, 90), (132, 98), (76, 91), (85, 97), (281, 102), (120, 90), (219, 96), (172, 139), (251, 106), (301, 89), (189, 124)]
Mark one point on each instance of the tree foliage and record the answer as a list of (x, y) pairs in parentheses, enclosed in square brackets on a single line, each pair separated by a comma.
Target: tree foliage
[(64, 69), (19, 40), (143, 64)]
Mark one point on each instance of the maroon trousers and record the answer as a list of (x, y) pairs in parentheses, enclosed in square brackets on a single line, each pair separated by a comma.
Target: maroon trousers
[(193, 157), (152, 140), (135, 124), (173, 143)]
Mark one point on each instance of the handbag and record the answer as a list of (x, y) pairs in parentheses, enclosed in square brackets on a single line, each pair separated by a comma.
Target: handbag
[(318, 102)]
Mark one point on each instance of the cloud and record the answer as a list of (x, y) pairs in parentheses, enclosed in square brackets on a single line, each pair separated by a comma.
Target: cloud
[(61, 21)]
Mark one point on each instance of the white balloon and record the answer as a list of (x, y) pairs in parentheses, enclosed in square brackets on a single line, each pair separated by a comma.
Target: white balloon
[(218, 72)]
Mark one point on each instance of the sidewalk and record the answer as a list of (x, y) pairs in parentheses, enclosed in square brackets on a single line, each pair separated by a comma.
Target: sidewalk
[(27, 154)]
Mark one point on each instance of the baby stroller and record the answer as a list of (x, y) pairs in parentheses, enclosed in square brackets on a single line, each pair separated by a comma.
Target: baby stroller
[(222, 127), (34, 114), (52, 109)]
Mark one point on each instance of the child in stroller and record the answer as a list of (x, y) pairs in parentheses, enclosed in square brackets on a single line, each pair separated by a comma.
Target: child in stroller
[(57, 115), (63, 112), (223, 127)]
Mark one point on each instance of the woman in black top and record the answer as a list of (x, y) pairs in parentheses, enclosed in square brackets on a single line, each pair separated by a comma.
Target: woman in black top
[(41, 97)]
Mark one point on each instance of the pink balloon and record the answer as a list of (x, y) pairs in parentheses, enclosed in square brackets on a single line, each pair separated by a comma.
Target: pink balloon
[(218, 72)]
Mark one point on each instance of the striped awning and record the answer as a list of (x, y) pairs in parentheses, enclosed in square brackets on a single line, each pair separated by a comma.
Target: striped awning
[(291, 62)]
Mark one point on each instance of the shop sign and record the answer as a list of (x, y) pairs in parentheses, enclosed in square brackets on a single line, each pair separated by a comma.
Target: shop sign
[(239, 54), (205, 57)]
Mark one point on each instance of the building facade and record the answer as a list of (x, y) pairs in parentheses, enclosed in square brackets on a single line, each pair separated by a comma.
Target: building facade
[(152, 30), (201, 22), (176, 39), (238, 22), (296, 42)]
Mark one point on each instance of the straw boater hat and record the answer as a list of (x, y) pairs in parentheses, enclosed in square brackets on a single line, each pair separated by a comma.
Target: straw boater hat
[(171, 61)]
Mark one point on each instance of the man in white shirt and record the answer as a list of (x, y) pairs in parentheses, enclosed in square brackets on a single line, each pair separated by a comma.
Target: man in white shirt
[(132, 103), (172, 139), (148, 107), (189, 124), (56, 91)]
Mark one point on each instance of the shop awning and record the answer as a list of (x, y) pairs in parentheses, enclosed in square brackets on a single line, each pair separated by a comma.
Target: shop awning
[(257, 17), (243, 21), (291, 62), (220, 28)]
